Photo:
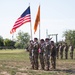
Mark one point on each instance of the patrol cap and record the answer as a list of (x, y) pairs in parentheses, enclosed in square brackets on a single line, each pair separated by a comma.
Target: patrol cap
[(35, 38), (42, 40), (47, 39), (52, 41)]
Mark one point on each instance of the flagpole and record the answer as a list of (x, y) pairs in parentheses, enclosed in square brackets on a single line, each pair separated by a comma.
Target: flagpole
[(30, 26), (31, 30), (39, 30)]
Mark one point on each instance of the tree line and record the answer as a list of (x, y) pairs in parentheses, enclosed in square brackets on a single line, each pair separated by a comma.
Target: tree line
[(22, 40), (69, 37)]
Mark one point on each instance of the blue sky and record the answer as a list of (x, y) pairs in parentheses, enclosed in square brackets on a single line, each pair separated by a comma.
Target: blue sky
[(57, 16)]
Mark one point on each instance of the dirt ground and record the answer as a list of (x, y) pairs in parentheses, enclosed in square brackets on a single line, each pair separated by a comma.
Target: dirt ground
[(64, 67)]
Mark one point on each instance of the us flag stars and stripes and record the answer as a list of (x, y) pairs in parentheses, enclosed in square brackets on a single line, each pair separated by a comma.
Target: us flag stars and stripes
[(24, 18)]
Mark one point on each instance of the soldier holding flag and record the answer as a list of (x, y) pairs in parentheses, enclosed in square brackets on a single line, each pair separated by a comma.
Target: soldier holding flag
[(47, 54), (35, 48), (41, 53)]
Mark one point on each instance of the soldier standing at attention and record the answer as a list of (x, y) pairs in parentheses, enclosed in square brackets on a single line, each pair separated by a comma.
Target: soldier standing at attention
[(36, 47), (31, 53), (66, 51), (47, 54), (41, 53), (71, 48), (57, 50), (61, 48), (53, 55)]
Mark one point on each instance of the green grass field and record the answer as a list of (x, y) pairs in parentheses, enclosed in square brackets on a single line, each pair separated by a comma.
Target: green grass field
[(16, 62)]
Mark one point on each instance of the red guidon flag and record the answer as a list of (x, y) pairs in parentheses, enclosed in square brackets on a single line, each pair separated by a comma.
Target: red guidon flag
[(37, 20), (24, 18)]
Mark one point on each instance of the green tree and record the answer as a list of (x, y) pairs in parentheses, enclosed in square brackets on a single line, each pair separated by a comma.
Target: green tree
[(22, 40), (1, 42), (9, 43), (69, 36)]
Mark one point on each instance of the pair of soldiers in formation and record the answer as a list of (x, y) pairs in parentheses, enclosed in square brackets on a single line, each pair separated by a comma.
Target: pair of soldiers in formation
[(60, 48), (44, 50)]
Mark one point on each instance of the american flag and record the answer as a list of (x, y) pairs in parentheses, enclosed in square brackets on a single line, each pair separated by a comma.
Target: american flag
[(24, 18)]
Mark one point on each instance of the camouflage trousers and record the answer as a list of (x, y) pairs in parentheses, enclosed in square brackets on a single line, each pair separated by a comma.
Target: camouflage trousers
[(71, 54), (41, 57), (47, 61), (53, 62), (36, 61), (32, 61), (61, 54), (66, 54), (57, 53)]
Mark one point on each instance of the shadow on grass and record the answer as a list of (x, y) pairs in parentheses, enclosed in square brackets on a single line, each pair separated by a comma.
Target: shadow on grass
[(70, 71)]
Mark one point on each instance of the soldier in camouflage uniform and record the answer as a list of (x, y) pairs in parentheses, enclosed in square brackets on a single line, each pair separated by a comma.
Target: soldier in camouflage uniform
[(35, 48), (71, 48), (57, 50), (53, 55), (47, 53), (61, 49), (66, 51), (41, 53), (31, 53)]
